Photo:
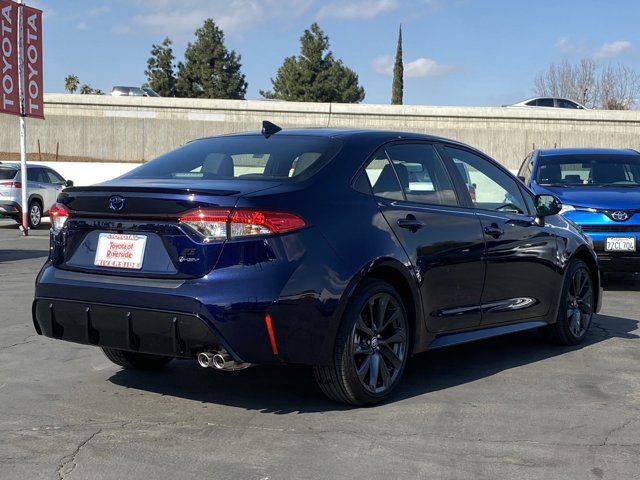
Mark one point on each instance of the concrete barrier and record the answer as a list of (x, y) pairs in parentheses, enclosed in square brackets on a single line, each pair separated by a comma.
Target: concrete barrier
[(124, 129)]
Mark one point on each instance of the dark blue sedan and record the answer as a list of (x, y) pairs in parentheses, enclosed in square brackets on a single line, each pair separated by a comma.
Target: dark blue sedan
[(346, 250), (600, 192)]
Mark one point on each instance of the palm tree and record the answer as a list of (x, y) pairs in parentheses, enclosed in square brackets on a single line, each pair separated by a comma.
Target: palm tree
[(71, 83), (86, 89)]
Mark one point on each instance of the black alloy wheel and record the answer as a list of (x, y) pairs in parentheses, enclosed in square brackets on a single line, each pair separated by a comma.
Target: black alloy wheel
[(371, 347), (576, 310)]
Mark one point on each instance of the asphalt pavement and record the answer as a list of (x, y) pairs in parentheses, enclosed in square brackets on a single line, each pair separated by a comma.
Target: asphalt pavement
[(507, 408)]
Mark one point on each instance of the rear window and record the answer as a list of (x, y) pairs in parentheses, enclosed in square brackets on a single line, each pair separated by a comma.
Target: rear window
[(7, 173), (284, 157)]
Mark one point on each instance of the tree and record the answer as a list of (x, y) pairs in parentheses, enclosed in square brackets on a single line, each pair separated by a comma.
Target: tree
[(619, 87), (87, 89), (315, 75), (397, 90), (610, 87), (209, 69), (71, 83), (160, 69)]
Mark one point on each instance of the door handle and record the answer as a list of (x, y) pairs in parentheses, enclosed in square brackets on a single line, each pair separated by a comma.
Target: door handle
[(494, 231), (410, 223)]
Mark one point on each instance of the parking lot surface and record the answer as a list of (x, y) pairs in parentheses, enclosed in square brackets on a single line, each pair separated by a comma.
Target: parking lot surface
[(512, 407)]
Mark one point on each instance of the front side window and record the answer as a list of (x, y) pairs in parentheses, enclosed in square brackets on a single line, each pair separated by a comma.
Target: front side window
[(562, 103), (588, 170), (493, 188), (53, 177), (422, 174), (525, 169), (243, 157)]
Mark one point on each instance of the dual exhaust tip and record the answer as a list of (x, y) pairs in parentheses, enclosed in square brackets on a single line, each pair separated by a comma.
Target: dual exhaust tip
[(220, 361)]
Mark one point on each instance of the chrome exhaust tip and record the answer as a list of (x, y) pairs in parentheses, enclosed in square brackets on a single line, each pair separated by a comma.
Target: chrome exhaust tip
[(220, 361), (205, 359)]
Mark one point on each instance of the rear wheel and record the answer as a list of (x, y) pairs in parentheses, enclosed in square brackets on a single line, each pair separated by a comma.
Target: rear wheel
[(576, 307), (35, 214), (139, 361), (371, 347)]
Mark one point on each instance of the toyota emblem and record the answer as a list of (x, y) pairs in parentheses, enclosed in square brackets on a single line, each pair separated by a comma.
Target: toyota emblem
[(620, 216), (116, 203)]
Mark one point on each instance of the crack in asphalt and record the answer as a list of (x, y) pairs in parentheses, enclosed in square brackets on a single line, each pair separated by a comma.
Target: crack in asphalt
[(615, 430), (24, 341), (68, 463)]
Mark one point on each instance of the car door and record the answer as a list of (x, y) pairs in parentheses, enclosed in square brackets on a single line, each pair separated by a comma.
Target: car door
[(36, 184), (54, 185), (443, 240), (521, 252)]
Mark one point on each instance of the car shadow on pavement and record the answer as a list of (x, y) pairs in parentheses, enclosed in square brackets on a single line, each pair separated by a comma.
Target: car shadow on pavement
[(288, 389), (621, 282), (15, 255)]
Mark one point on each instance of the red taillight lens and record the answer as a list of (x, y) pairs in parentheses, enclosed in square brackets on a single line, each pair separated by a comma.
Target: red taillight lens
[(220, 224), (58, 214), (211, 224), (260, 222), (11, 184)]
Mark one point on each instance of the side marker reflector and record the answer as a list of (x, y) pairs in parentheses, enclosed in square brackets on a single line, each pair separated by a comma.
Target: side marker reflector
[(272, 337)]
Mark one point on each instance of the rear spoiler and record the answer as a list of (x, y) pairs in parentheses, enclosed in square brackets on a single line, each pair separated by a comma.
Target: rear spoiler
[(116, 189)]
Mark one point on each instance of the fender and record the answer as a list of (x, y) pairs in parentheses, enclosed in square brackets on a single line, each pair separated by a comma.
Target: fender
[(420, 334)]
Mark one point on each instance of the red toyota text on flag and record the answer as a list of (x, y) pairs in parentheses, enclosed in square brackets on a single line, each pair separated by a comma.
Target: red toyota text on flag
[(9, 78), (32, 44)]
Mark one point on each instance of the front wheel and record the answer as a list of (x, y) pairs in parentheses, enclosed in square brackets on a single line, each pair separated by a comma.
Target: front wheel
[(576, 307), (132, 360), (371, 347)]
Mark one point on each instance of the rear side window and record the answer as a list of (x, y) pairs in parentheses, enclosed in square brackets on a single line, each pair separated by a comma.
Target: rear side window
[(7, 173), (545, 102), (383, 178), (422, 174), (250, 157)]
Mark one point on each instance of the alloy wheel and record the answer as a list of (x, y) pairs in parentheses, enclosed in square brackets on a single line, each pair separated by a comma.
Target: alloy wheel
[(580, 302), (35, 214), (379, 343)]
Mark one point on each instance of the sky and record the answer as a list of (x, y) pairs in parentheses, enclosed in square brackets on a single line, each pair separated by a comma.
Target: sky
[(456, 52)]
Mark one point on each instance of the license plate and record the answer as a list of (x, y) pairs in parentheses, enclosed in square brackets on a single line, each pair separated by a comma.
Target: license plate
[(626, 244), (120, 251)]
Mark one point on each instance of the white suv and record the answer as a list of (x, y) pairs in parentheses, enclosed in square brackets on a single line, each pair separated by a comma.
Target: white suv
[(43, 186)]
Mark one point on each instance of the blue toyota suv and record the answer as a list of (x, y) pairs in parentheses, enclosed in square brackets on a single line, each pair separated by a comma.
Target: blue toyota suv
[(600, 191)]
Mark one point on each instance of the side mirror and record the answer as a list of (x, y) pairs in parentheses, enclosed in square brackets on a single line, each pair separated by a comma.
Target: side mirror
[(522, 179), (547, 205), (68, 183)]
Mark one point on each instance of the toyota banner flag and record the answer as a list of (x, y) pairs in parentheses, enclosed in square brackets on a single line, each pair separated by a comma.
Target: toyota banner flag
[(32, 45), (31, 37), (9, 84)]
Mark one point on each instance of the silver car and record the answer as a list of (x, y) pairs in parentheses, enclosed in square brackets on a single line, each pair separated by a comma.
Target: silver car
[(43, 186)]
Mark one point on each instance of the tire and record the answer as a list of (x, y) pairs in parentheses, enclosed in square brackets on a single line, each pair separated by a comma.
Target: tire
[(136, 361), (35, 214), (365, 342), (576, 307)]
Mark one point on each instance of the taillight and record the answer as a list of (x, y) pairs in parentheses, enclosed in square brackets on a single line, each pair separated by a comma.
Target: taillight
[(58, 214), (11, 184), (217, 224)]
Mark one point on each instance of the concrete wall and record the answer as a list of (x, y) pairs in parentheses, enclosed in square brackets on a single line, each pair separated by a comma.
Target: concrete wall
[(118, 129)]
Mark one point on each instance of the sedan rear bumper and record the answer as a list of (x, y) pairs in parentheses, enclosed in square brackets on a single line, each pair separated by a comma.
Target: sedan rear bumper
[(140, 330)]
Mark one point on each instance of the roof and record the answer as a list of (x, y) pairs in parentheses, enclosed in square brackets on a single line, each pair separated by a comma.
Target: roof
[(588, 151), (344, 133)]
